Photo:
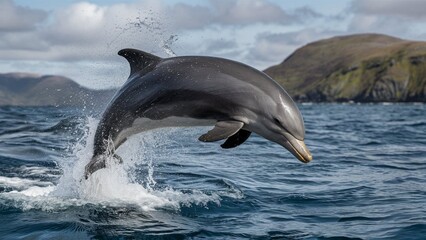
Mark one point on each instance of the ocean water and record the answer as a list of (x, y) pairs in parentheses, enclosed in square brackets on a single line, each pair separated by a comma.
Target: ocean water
[(367, 179)]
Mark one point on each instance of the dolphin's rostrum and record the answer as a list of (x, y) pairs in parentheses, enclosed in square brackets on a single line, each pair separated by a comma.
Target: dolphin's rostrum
[(198, 91)]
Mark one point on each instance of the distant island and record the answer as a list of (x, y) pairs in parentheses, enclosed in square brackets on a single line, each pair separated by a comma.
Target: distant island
[(359, 68), (25, 89)]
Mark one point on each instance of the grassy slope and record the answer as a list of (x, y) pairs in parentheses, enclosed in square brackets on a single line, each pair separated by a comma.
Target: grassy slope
[(365, 67)]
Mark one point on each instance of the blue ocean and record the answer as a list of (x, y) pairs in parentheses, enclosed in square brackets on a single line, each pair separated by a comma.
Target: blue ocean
[(367, 179)]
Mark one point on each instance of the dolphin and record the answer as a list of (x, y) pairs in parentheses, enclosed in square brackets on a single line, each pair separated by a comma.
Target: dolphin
[(198, 91)]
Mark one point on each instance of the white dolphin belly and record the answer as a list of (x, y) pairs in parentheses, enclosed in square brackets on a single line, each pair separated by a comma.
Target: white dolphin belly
[(146, 124)]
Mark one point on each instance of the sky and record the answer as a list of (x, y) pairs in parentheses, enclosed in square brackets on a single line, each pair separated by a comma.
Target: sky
[(80, 39)]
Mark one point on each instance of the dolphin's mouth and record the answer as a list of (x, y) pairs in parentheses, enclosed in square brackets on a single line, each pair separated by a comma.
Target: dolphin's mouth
[(299, 150)]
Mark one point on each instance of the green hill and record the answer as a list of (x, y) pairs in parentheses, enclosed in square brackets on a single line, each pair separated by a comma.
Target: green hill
[(363, 68)]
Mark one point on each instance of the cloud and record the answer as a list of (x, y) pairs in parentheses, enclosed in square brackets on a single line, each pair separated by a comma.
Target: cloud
[(241, 12), (306, 12), (81, 40), (15, 18), (80, 23), (86, 31), (229, 13), (413, 9), (86, 23), (392, 17), (219, 45), (185, 16), (271, 48), (25, 41), (361, 23)]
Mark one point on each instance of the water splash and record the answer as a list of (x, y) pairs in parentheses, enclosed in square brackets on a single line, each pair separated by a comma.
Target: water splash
[(115, 185), (151, 28), (167, 45)]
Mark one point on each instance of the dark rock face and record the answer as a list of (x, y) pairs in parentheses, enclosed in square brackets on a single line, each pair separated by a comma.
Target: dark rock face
[(387, 90), (362, 68), (22, 89)]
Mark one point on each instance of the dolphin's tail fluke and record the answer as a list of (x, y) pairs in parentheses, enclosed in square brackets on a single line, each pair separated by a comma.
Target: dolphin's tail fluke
[(99, 162)]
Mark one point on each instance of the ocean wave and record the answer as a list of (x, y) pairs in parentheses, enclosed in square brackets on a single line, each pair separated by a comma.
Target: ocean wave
[(368, 170), (69, 124)]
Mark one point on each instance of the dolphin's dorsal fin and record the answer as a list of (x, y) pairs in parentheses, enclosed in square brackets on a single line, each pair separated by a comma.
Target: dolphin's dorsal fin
[(138, 59), (222, 130), (236, 139)]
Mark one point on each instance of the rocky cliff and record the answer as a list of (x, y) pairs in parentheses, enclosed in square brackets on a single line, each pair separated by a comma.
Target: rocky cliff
[(362, 68)]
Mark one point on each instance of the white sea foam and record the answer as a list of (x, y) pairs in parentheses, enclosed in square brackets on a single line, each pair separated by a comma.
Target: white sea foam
[(16, 182), (112, 186), (36, 191)]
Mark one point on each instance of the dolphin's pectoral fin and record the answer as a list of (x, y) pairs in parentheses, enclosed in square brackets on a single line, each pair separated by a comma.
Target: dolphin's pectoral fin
[(222, 130), (236, 139)]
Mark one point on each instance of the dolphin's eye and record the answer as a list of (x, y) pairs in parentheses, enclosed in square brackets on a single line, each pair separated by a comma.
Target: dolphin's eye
[(277, 122)]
